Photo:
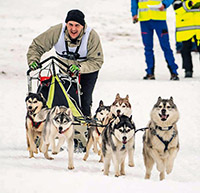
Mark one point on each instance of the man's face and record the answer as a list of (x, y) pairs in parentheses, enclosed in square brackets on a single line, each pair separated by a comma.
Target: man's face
[(74, 29)]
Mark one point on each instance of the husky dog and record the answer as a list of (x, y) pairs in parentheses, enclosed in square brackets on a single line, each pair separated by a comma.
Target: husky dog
[(34, 104), (118, 139), (160, 140), (120, 106), (58, 124), (94, 133)]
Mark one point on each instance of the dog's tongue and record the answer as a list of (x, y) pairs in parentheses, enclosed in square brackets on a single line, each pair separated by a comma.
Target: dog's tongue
[(164, 116)]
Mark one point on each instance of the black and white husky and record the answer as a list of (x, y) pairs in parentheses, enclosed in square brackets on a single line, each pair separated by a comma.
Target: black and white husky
[(118, 139), (34, 104), (58, 125)]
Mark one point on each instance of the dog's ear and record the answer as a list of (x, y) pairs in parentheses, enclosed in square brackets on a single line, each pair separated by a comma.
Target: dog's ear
[(171, 100), (158, 102), (69, 112), (101, 103), (27, 95), (127, 97), (55, 110), (117, 96)]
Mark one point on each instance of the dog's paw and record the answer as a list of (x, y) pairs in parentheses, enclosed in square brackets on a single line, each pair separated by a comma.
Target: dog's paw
[(70, 167), (162, 176), (54, 153), (35, 151), (85, 157), (147, 176), (131, 164), (122, 173), (169, 170), (31, 156), (48, 157)]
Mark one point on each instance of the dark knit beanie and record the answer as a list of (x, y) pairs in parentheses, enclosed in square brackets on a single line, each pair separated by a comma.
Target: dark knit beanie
[(75, 15)]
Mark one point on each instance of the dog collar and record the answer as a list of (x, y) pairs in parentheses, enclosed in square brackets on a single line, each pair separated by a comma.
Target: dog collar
[(64, 130), (164, 128)]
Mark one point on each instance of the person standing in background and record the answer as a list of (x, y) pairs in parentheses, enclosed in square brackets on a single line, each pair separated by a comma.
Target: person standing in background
[(187, 30), (152, 16)]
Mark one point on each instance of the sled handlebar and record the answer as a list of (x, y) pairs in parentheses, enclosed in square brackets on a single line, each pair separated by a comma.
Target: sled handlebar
[(46, 60)]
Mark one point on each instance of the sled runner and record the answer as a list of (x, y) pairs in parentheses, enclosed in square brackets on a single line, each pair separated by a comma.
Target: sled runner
[(61, 89)]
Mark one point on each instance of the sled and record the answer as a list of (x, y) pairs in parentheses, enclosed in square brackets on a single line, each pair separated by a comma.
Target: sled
[(61, 89)]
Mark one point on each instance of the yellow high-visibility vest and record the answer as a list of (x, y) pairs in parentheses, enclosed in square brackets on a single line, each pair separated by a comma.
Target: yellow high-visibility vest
[(187, 22), (148, 10)]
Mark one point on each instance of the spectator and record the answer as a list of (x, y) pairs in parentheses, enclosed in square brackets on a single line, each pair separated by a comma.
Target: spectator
[(187, 29), (152, 16)]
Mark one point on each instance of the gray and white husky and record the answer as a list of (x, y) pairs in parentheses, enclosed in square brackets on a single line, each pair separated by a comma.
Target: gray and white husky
[(160, 140), (118, 139), (59, 125)]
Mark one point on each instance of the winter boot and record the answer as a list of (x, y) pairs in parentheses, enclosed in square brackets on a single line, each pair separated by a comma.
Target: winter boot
[(149, 77), (174, 77), (188, 74)]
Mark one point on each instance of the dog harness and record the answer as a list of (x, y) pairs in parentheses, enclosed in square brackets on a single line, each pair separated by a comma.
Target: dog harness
[(166, 143), (35, 124), (98, 132)]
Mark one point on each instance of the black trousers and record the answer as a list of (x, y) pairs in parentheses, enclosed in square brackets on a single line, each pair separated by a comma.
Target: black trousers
[(87, 82), (186, 54)]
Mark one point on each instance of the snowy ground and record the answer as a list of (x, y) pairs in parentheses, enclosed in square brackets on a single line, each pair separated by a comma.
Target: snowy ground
[(122, 73)]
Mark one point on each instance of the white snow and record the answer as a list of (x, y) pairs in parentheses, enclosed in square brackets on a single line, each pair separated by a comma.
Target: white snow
[(122, 73)]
